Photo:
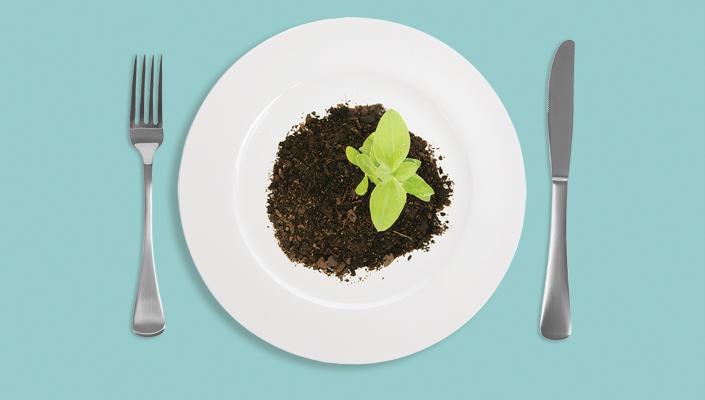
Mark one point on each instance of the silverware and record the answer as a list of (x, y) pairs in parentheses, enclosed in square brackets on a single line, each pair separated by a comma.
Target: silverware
[(146, 136), (555, 310)]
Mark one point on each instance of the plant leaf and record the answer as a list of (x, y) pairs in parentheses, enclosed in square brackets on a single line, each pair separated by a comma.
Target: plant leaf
[(361, 188), (416, 186), (383, 172), (372, 156), (351, 154), (386, 203), (367, 144), (406, 169), (365, 164), (391, 141), (413, 160)]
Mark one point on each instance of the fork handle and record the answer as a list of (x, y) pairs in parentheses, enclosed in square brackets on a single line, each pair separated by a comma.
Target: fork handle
[(148, 318), (555, 310)]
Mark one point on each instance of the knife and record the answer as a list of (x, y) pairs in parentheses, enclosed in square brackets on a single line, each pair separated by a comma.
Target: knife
[(555, 309)]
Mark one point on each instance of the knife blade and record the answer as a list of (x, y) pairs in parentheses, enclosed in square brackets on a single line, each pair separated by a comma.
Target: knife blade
[(560, 109), (555, 309)]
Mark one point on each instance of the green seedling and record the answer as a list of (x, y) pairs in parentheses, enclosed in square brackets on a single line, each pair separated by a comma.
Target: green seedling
[(382, 159)]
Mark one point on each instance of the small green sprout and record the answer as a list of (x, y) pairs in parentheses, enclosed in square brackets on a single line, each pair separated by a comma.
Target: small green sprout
[(382, 158)]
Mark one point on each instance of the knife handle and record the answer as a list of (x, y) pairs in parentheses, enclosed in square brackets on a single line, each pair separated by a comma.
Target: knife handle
[(555, 310)]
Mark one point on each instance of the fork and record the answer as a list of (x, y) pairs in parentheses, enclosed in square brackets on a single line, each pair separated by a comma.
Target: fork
[(146, 136)]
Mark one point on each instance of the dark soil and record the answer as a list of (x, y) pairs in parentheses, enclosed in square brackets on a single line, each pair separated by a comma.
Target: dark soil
[(318, 219)]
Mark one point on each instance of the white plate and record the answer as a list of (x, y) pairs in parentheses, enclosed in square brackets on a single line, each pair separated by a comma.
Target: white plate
[(228, 157)]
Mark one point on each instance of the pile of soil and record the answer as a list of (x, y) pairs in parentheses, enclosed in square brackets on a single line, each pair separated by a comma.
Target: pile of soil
[(318, 219)]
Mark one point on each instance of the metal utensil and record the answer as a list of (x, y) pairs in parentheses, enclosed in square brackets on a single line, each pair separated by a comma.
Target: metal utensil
[(555, 310), (146, 136)]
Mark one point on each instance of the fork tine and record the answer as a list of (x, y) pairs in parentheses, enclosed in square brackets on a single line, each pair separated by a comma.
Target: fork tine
[(132, 98), (151, 94), (141, 120), (159, 93)]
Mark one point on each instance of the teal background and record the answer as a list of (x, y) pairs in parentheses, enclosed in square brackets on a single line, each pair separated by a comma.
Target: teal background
[(71, 209)]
